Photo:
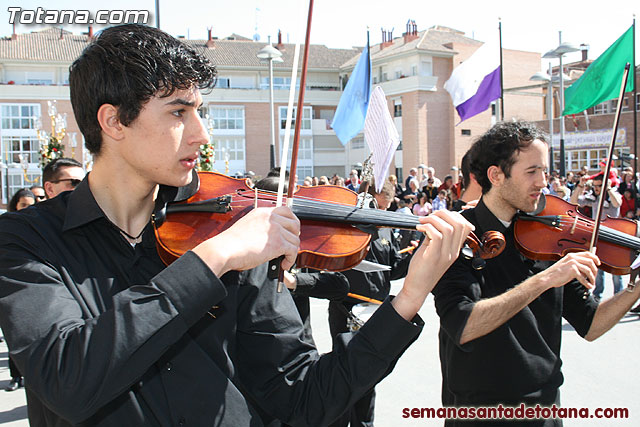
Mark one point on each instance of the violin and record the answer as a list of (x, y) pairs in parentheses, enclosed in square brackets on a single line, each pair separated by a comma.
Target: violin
[(334, 233), (557, 228)]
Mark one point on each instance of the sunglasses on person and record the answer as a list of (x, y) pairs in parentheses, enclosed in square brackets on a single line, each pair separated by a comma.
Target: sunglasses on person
[(73, 181)]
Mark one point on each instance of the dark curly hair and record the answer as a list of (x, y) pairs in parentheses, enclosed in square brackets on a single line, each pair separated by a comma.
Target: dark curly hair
[(499, 146), (126, 66)]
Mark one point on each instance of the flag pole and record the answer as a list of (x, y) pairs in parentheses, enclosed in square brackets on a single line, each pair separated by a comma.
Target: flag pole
[(635, 107), (501, 80)]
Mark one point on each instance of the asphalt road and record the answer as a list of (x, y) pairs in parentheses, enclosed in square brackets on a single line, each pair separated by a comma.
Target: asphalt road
[(602, 374)]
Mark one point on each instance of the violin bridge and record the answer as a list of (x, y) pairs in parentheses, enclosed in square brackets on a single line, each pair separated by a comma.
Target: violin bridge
[(573, 227), (255, 198)]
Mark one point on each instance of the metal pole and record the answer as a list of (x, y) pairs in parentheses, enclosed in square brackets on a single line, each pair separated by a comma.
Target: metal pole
[(157, 13), (550, 116), (272, 161), (562, 153)]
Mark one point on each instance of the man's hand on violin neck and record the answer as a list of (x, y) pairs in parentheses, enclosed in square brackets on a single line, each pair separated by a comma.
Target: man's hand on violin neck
[(582, 266), (445, 233), (260, 236)]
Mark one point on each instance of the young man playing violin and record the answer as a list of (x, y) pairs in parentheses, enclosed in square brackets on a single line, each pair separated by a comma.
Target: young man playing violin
[(106, 335), (500, 327)]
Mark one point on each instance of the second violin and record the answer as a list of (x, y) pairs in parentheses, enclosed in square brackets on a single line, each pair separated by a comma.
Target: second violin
[(559, 229)]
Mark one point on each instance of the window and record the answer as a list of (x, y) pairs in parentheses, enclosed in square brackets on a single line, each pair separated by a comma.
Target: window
[(17, 116), (384, 77), (234, 147), (19, 141), (466, 132), (638, 101), (229, 154), (427, 68), (625, 104), (306, 118), (223, 83), (600, 108), (397, 109), (399, 74), (357, 143), (305, 150), (14, 147), (227, 118), (279, 83), (414, 70)]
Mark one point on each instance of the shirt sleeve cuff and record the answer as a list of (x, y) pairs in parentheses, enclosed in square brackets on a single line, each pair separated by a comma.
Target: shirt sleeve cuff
[(389, 332), (191, 286)]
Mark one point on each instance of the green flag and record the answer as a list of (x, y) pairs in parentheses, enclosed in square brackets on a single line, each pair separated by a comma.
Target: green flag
[(601, 81)]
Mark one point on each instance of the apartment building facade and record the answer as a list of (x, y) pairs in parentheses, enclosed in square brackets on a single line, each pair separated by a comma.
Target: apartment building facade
[(411, 69)]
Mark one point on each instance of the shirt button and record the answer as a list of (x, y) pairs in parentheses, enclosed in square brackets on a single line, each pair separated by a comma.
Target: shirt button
[(168, 367), (182, 421)]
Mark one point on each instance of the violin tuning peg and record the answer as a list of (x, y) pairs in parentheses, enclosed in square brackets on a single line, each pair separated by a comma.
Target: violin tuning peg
[(478, 263), (467, 252)]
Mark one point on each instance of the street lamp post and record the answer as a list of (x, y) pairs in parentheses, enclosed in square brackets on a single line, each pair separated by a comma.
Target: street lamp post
[(271, 54), (541, 76), (559, 52)]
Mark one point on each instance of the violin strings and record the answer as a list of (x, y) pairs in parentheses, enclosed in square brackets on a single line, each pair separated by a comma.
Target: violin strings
[(606, 233), (316, 208)]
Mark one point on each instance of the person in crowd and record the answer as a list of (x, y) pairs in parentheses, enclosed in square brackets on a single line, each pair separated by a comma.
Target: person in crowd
[(627, 182), (384, 250), (440, 202), (501, 326), (570, 182), (471, 190), (423, 207), (307, 182), (413, 174), (315, 181), (323, 180), (410, 195), (353, 182), (430, 189), (628, 205), (447, 184), (398, 192), (106, 334), (38, 192), (62, 174), (431, 175), (611, 207), (22, 199)]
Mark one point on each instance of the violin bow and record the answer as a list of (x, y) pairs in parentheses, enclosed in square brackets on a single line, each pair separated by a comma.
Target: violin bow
[(296, 137), (605, 178)]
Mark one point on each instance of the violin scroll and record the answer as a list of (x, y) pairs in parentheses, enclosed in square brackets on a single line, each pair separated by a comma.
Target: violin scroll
[(490, 246)]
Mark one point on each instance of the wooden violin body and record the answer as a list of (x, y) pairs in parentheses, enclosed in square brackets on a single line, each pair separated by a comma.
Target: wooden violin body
[(336, 248), (559, 229)]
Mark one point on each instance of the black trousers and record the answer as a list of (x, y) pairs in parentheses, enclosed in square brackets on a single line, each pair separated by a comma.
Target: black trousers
[(13, 370), (361, 413)]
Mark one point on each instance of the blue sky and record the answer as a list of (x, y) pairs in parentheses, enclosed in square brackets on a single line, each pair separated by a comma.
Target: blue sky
[(530, 26)]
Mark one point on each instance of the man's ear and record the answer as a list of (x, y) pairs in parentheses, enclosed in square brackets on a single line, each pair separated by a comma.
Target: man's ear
[(109, 121), (48, 189), (495, 175)]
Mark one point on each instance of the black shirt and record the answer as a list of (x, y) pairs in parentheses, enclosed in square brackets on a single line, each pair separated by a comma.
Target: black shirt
[(377, 285), (520, 360), (107, 336)]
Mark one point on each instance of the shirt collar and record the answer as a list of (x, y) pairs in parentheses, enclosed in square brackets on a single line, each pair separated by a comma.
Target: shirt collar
[(82, 206), (487, 220)]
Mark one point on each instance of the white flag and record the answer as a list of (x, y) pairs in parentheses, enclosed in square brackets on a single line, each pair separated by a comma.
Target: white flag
[(381, 136)]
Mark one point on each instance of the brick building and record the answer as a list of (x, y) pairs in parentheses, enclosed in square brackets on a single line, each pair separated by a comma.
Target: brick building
[(411, 69)]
